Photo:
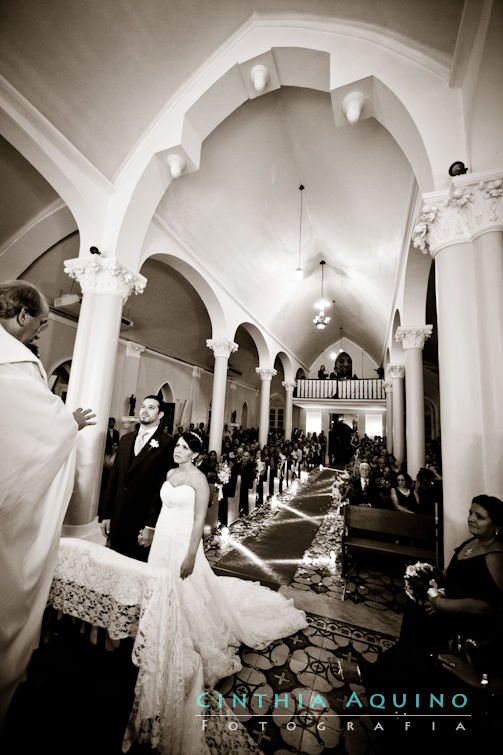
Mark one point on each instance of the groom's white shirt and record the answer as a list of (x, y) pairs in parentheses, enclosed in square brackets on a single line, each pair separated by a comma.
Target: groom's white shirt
[(37, 463)]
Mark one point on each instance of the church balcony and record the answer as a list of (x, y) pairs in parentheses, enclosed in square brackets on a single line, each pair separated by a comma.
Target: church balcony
[(341, 390)]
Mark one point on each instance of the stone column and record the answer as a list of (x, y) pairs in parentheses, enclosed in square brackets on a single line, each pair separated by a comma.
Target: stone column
[(130, 381), (106, 285), (388, 385), (463, 231), (266, 375), (396, 372), (289, 388), (195, 397), (413, 340), (222, 351)]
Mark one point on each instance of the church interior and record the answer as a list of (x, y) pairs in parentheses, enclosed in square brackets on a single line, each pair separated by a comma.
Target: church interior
[(219, 199)]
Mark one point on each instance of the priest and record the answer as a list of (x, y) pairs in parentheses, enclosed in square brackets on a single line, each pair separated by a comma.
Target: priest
[(37, 463)]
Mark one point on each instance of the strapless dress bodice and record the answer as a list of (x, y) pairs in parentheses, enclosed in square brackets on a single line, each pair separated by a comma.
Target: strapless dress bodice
[(177, 496)]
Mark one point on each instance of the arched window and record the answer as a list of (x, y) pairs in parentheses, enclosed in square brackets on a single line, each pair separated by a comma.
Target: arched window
[(344, 365)]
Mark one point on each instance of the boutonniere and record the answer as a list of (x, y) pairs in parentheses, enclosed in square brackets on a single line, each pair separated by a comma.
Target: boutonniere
[(154, 443)]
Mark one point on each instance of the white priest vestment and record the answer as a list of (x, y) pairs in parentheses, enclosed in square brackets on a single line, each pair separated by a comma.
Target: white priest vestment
[(37, 464)]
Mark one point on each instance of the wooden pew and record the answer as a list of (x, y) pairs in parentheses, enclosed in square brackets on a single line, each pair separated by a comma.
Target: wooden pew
[(416, 534)]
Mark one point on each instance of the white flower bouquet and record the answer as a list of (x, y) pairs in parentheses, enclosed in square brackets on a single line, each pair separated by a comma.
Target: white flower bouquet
[(223, 477), (422, 582), (259, 468)]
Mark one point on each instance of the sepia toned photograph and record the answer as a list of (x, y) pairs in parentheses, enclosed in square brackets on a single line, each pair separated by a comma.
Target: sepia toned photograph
[(251, 365)]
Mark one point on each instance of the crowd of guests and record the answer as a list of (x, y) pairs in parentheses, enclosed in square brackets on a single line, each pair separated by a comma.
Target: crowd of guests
[(377, 480)]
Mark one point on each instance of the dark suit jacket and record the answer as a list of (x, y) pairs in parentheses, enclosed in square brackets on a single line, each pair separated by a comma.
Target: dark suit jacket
[(113, 438), (370, 495), (132, 500)]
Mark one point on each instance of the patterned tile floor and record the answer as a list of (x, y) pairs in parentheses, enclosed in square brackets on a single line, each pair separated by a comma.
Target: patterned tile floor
[(313, 673), (325, 659)]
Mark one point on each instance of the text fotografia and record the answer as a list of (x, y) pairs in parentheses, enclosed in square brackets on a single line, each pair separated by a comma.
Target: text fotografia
[(377, 701)]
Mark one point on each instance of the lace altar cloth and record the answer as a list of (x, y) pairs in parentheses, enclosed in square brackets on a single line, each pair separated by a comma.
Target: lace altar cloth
[(129, 598)]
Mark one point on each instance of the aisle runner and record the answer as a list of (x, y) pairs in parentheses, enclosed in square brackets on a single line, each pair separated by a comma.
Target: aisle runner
[(273, 556)]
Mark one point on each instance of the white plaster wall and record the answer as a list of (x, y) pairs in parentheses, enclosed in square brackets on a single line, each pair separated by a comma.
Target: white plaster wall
[(363, 365), (485, 126)]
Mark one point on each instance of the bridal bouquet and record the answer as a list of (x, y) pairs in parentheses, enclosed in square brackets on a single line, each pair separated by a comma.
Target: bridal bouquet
[(223, 477), (422, 582)]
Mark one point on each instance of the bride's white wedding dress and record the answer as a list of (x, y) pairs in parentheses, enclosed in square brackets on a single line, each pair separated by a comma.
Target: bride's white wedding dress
[(218, 613)]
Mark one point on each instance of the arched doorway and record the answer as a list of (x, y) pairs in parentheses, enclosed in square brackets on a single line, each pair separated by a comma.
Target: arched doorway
[(166, 395), (244, 416), (58, 380)]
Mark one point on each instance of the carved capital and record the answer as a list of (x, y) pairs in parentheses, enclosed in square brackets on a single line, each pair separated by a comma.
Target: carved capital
[(413, 338), (396, 371), (221, 348), (388, 386), (472, 206), (134, 349), (196, 372), (232, 385), (105, 275), (265, 373), (289, 387)]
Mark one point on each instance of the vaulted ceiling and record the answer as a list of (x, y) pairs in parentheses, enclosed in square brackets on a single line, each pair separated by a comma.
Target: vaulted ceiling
[(101, 71)]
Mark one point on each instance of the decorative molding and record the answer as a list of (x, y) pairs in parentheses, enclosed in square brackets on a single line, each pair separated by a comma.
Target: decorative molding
[(289, 387), (134, 349), (413, 338), (265, 373), (221, 348), (197, 372), (105, 275), (472, 206), (396, 371)]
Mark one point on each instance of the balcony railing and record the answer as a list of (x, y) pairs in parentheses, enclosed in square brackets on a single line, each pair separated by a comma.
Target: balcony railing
[(342, 389)]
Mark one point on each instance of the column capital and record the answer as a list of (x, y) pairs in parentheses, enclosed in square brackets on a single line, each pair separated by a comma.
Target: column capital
[(134, 349), (396, 371), (388, 386), (289, 387), (197, 372), (472, 206), (221, 348), (265, 373), (413, 338), (232, 385), (105, 275)]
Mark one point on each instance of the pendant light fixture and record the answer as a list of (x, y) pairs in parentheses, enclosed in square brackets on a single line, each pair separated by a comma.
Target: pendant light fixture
[(299, 273), (321, 320)]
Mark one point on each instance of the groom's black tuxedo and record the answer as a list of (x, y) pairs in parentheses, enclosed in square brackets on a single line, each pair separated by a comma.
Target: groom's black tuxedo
[(132, 499)]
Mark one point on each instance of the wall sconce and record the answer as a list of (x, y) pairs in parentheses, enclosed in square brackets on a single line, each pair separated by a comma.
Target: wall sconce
[(176, 164), (352, 106), (260, 77)]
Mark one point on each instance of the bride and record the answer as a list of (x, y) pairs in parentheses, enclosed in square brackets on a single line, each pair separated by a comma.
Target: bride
[(218, 613)]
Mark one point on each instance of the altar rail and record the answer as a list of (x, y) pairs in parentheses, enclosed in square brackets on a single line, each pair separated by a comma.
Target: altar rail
[(370, 389)]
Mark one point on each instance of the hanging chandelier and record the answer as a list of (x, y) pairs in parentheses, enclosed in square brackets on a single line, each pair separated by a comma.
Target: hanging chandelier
[(299, 273), (321, 320), (341, 349)]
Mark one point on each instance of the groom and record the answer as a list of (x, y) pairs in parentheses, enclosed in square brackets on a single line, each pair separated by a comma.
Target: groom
[(132, 500)]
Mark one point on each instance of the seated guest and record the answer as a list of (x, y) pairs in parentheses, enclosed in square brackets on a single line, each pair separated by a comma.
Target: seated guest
[(425, 492), (459, 632), (364, 491), (402, 495), (322, 373)]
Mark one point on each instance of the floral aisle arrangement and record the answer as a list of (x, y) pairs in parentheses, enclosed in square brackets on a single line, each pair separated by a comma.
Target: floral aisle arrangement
[(422, 582), (259, 468), (340, 488), (223, 477)]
